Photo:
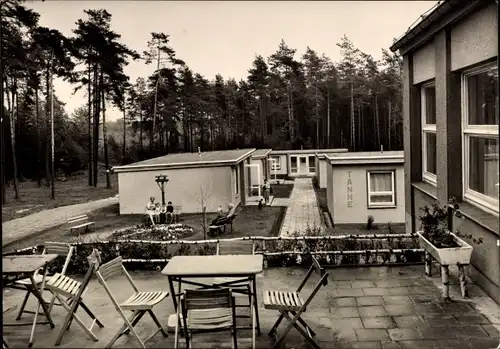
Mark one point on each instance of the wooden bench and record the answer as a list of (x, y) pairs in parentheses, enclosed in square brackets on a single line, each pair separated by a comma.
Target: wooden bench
[(223, 223), (80, 222)]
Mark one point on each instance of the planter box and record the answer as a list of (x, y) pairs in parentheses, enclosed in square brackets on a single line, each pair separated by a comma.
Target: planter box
[(447, 256)]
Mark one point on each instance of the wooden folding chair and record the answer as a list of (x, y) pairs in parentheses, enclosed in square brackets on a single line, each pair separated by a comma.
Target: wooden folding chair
[(7, 310), (291, 304), (69, 292), (206, 311), (232, 248), (59, 248), (139, 303)]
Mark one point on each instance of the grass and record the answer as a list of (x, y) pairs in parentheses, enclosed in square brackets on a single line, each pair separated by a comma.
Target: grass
[(250, 221), (106, 220), (73, 191), (282, 190)]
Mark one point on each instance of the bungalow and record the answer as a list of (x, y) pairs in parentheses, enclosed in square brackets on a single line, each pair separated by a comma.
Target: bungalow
[(365, 184), (259, 170), (450, 108), (321, 170), (297, 163), (195, 179)]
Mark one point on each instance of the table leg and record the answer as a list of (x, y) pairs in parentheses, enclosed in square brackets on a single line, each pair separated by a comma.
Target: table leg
[(463, 281), (172, 292), (252, 298), (256, 303), (445, 281)]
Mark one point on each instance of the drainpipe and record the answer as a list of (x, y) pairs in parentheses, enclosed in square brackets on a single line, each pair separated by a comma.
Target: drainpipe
[(498, 120)]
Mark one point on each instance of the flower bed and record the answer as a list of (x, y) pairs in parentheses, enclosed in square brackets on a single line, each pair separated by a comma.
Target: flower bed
[(160, 232)]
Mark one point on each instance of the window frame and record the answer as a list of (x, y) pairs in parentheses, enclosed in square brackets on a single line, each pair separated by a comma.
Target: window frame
[(276, 164), (369, 192), (471, 196), (428, 177)]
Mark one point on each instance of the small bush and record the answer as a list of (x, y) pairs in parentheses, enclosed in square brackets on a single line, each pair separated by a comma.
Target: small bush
[(369, 222)]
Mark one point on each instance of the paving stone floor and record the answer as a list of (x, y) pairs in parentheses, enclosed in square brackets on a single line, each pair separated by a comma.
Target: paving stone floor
[(303, 210), (377, 307)]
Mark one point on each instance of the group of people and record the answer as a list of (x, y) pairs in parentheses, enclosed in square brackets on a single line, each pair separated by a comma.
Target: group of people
[(221, 215), (159, 213)]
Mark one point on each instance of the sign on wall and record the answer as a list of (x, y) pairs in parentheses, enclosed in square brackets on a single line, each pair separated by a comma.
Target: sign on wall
[(349, 189)]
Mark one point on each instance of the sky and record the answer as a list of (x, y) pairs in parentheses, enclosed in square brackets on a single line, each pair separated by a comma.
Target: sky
[(224, 36)]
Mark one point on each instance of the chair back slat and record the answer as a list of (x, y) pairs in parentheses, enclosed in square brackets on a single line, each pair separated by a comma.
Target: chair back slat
[(207, 299), (235, 247), (111, 269), (61, 249)]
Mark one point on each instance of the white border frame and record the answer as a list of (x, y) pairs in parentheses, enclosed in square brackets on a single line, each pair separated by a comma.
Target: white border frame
[(276, 159), (382, 193), (484, 202), (429, 177)]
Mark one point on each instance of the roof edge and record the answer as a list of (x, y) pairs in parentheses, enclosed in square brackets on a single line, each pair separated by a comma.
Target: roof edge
[(177, 165)]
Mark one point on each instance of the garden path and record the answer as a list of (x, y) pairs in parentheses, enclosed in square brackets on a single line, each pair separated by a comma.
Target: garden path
[(303, 210), (32, 224)]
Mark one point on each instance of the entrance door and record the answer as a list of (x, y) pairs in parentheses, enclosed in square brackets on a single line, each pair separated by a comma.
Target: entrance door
[(303, 166)]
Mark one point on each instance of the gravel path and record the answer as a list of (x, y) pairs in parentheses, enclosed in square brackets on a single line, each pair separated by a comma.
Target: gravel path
[(32, 224)]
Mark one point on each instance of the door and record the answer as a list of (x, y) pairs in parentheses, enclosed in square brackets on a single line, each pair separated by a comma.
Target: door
[(303, 166)]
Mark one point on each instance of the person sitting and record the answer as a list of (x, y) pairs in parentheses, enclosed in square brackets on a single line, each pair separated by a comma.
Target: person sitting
[(220, 216), (151, 209), (157, 212), (230, 209), (170, 212), (163, 214)]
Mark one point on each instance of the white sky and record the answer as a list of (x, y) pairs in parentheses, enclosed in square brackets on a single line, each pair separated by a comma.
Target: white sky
[(224, 36)]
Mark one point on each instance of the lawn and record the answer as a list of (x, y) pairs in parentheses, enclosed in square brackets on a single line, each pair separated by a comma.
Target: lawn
[(73, 191), (250, 221), (282, 190)]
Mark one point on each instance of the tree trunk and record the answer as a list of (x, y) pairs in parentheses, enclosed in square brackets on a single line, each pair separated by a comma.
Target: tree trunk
[(353, 126), (96, 124), (141, 145), (317, 114), (12, 109), (124, 150), (38, 141), (47, 128), (89, 147), (104, 132), (328, 142), (389, 123), (377, 123)]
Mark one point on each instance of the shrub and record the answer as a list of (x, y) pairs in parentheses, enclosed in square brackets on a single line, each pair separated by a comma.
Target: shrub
[(369, 222)]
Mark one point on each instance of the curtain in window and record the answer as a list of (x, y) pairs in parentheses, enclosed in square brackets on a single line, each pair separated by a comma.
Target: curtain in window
[(380, 182)]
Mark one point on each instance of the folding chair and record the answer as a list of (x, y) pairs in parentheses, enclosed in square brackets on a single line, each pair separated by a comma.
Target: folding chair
[(59, 248), (291, 304), (232, 248), (206, 311), (70, 292), (139, 303)]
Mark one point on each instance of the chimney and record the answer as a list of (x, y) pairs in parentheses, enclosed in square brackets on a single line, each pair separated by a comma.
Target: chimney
[(199, 151), (381, 148)]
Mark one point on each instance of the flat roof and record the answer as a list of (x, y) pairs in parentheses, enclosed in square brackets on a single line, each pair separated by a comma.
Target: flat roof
[(184, 160), (260, 153), (309, 151), (364, 157)]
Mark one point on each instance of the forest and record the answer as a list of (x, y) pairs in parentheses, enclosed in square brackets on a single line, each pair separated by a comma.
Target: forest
[(287, 101)]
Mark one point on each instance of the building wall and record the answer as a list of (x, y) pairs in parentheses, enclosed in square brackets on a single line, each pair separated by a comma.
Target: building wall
[(471, 46), (284, 165), (470, 42), (348, 187), (183, 188), (423, 64), (321, 172), (330, 191)]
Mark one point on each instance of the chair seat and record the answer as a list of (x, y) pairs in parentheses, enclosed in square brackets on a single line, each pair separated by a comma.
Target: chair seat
[(143, 300), (209, 319), (282, 300), (63, 284)]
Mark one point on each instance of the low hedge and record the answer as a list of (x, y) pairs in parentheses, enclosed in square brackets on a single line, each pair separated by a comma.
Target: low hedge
[(330, 251)]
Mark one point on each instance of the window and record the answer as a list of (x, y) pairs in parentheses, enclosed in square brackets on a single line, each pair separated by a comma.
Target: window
[(293, 164), (480, 136), (381, 191), (236, 180), (428, 114), (276, 163), (312, 164)]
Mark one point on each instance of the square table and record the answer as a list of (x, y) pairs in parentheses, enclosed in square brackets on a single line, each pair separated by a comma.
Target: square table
[(180, 268), (25, 266)]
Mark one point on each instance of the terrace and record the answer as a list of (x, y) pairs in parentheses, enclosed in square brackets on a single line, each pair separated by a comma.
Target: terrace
[(366, 307)]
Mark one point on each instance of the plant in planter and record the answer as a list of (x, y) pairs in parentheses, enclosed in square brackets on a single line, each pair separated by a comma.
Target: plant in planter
[(434, 225)]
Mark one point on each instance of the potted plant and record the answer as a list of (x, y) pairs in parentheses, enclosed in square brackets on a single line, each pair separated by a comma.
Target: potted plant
[(435, 238)]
